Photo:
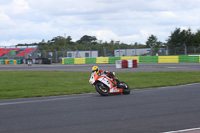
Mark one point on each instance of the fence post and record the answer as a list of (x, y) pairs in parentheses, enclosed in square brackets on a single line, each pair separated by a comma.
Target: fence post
[(51, 55), (76, 56), (56, 56), (45, 54), (90, 51), (104, 51), (25, 55), (63, 53), (135, 50), (167, 52), (151, 51), (39, 54), (67, 52), (185, 49), (119, 51)]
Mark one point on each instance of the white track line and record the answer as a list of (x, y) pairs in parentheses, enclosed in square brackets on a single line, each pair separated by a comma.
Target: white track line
[(44, 100), (185, 130)]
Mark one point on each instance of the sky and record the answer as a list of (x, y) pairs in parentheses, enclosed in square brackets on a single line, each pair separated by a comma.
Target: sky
[(127, 21)]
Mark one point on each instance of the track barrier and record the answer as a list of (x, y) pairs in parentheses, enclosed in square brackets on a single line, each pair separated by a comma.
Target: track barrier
[(25, 61), (126, 63), (140, 59), (111, 60)]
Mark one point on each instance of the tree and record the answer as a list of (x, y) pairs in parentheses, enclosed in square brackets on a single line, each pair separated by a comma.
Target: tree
[(197, 38), (180, 38), (68, 39), (58, 40), (154, 44), (87, 40), (152, 41)]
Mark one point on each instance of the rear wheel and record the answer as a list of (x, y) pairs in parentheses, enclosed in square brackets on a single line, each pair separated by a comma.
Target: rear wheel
[(126, 88), (102, 89)]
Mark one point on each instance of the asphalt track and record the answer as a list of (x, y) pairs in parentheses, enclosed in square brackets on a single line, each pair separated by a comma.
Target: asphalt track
[(142, 67), (151, 110)]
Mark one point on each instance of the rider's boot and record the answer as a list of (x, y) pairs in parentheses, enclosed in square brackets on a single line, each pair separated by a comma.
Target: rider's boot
[(118, 83)]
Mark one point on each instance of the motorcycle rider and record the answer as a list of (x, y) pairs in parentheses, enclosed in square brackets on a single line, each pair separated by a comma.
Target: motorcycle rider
[(109, 74)]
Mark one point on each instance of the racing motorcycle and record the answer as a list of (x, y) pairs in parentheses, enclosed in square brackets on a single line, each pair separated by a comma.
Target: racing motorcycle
[(106, 86)]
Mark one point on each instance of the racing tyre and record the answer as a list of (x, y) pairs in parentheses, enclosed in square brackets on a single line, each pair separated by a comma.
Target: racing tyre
[(102, 89), (126, 88)]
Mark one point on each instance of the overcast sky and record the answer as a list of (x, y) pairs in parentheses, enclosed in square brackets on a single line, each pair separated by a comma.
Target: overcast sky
[(128, 21)]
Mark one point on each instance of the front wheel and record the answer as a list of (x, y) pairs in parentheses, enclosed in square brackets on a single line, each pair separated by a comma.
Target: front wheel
[(102, 89), (126, 88)]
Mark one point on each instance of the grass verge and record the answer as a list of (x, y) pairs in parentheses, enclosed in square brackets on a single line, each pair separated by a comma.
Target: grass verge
[(17, 84)]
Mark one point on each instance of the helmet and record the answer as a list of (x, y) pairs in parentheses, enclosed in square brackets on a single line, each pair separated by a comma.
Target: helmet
[(95, 69)]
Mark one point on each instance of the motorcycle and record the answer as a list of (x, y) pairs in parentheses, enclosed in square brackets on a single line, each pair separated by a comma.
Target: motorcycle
[(106, 86)]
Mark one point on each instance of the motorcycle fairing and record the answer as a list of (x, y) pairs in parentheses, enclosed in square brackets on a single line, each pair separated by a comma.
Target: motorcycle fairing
[(115, 90), (105, 81), (110, 85), (93, 78)]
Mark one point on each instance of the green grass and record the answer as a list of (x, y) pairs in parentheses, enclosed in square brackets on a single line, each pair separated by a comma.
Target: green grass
[(19, 84)]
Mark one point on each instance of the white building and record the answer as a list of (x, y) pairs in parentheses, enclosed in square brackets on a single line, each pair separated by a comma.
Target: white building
[(131, 52), (82, 54)]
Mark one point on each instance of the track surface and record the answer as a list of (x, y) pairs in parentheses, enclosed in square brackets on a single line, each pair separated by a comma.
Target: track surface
[(142, 67), (143, 111), (152, 110)]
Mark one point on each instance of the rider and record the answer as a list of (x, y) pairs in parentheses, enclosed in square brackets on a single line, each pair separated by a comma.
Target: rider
[(109, 74)]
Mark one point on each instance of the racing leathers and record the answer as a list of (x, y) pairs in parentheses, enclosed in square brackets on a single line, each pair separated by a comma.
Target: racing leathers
[(110, 75)]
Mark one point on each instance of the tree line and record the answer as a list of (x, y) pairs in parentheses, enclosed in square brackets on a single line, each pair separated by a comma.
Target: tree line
[(178, 38)]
